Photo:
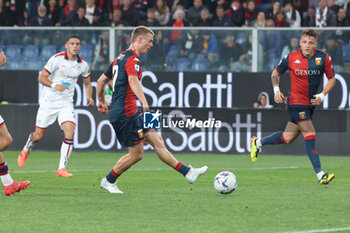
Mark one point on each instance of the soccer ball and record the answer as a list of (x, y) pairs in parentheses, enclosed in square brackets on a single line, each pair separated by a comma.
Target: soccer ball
[(225, 182)]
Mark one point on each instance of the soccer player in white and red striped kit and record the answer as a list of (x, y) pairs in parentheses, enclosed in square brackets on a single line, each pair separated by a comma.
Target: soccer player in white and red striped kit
[(59, 77)]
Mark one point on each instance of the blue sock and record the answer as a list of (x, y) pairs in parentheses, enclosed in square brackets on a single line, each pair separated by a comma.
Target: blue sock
[(275, 138), (312, 152), (112, 177), (182, 168)]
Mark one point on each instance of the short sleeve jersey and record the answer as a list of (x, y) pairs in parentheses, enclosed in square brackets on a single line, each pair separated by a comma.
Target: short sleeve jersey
[(63, 71), (123, 99), (305, 74)]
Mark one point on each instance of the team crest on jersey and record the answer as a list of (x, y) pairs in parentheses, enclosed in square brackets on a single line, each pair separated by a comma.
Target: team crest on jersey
[(302, 115), (137, 68), (318, 61), (140, 131)]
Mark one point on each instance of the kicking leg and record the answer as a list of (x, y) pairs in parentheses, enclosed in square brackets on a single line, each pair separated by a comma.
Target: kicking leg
[(191, 174)]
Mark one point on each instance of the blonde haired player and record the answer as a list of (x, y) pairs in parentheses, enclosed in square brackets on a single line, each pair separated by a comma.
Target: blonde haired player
[(126, 73), (10, 186), (59, 77)]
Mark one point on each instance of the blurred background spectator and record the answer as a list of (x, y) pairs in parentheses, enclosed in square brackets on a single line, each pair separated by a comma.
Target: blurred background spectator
[(263, 101), (291, 47), (151, 20), (230, 51), (41, 19), (221, 18), (53, 10), (237, 13), (292, 15), (273, 9), (194, 13), (162, 12), (67, 13), (334, 49), (129, 13)]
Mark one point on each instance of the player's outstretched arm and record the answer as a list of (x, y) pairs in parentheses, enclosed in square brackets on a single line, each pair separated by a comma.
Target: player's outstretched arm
[(275, 79), (136, 87), (88, 90), (2, 58), (44, 79), (319, 97), (101, 84)]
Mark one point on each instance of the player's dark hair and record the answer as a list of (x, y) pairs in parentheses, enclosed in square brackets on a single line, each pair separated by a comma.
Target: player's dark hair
[(309, 32), (73, 36), (140, 31)]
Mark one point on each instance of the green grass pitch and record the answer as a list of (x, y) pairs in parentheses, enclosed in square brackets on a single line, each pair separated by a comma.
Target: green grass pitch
[(276, 194)]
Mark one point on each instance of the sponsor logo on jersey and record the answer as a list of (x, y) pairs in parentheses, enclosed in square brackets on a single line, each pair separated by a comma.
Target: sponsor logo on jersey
[(318, 61), (297, 61), (137, 68), (307, 72)]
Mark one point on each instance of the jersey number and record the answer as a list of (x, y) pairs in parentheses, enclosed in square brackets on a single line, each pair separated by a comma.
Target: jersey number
[(115, 75)]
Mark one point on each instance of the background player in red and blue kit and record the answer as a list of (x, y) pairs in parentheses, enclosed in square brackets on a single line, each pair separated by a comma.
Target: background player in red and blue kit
[(126, 73), (306, 68)]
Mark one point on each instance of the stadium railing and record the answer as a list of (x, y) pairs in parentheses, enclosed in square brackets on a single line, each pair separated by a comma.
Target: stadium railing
[(255, 49)]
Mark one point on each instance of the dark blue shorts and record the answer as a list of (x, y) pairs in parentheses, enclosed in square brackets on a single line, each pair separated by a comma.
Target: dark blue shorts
[(299, 113), (129, 130)]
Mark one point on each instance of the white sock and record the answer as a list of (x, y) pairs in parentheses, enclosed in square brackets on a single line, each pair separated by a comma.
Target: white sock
[(66, 150), (258, 143), (6, 179), (30, 144), (319, 175)]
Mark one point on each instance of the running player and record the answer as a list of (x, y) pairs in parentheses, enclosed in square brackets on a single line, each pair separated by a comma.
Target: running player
[(59, 77), (126, 73), (306, 68), (10, 186)]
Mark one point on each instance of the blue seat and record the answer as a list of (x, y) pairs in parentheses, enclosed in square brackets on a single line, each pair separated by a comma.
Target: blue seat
[(346, 52), (47, 51), (85, 53), (264, 6), (30, 52), (181, 64), (13, 51), (34, 64), (16, 63), (172, 54), (200, 64)]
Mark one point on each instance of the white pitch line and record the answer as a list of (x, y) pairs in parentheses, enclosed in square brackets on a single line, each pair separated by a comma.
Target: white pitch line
[(322, 230), (155, 169)]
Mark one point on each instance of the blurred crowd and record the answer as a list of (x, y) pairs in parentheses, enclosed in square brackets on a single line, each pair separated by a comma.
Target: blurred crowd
[(177, 13), (186, 49)]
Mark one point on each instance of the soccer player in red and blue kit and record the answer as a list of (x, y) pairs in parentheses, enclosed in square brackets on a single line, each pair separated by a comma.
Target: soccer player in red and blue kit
[(126, 73), (306, 68)]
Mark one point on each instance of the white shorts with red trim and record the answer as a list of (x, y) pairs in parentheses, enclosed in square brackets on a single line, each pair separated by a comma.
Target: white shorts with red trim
[(47, 116)]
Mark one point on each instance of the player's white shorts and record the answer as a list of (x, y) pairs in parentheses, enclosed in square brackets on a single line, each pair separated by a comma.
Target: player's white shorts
[(1, 121), (46, 116)]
